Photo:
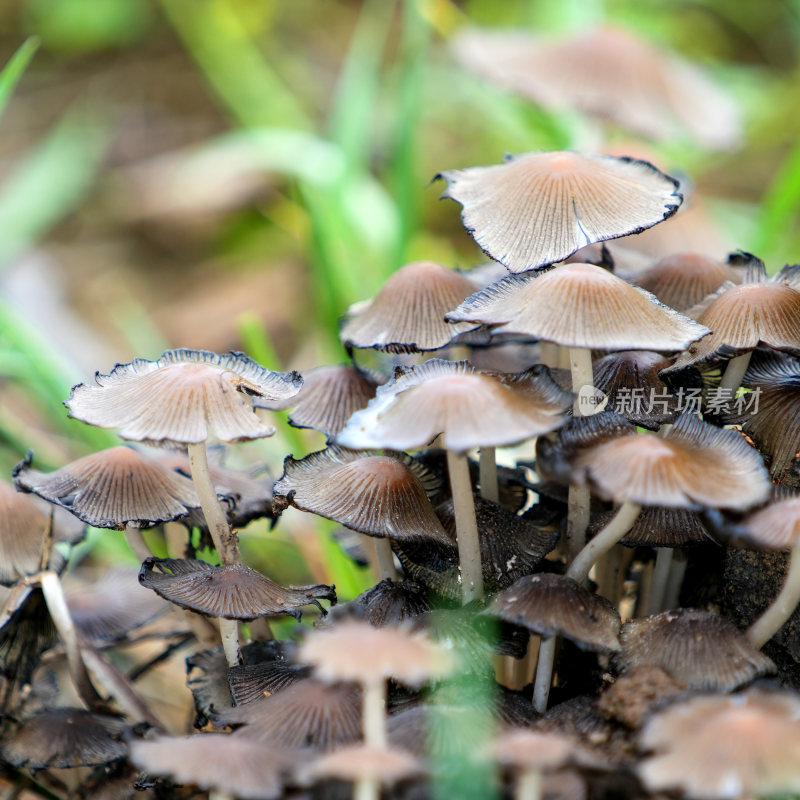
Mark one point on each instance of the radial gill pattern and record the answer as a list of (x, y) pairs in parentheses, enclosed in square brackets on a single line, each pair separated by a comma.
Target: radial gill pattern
[(539, 208), (185, 396)]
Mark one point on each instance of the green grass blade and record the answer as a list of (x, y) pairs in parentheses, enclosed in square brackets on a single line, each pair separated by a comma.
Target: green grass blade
[(49, 183), (14, 69), (780, 206)]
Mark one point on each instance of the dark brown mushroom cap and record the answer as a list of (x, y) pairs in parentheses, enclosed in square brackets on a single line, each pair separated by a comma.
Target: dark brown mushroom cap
[(659, 526), (206, 677), (65, 737), (407, 315), (698, 648), (381, 495), (186, 396), (719, 747), (605, 312), (329, 396), (743, 317), (468, 407), (356, 762), (682, 280), (232, 591), (113, 488), (610, 73), (693, 465), (539, 208), (113, 606), (216, 761), (26, 631), (252, 682), (23, 532), (355, 651), (555, 605), (309, 713), (386, 603)]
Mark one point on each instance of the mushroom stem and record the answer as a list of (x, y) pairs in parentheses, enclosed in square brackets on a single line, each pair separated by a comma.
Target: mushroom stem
[(734, 372), (772, 620), (216, 520), (469, 551), (580, 366), (677, 570), (366, 789), (619, 525), (373, 718), (229, 633), (62, 619), (548, 354), (529, 785), (544, 673), (384, 558), (655, 601), (487, 476), (136, 542)]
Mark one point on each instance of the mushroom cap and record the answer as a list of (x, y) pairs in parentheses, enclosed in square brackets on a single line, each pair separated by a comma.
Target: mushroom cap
[(539, 208), (23, 531), (355, 651), (633, 696), (65, 737), (359, 761), (113, 488), (605, 312), (658, 526), (555, 605), (698, 648), (309, 713), (776, 526), (611, 73), (407, 315), (470, 408), (693, 465), (183, 397), (381, 495), (743, 317), (718, 747), (537, 750), (26, 631), (386, 603), (329, 396), (216, 761), (682, 280), (232, 591)]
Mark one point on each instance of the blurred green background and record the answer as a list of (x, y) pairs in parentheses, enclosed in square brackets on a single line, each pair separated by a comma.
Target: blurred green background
[(233, 173)]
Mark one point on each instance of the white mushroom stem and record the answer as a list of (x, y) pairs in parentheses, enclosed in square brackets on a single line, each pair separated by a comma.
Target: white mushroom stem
[(773, 619), (137, 543), (658, 588), (529, 785), (229, 633), (734, 372), (373, 714), (544, 673), (579, 497), (469, 551), (216, 520), (618, 526), (366, 789), (62, 619), (487, 476), (384, 558)]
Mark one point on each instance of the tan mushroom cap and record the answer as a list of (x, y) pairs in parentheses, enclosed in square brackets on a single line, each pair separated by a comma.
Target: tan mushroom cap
[(470, 408), (605, 312), (231, 591), (113, 488), (309, 713), (215, 761), (359, 762), (725, 747), (682, 280), (355, 651), (742, 317), (23, 528), (184, 397), (539, 208), (381, 495), (329, 396), (610, 73), (537, 750), (774, 527), (407, 315), (693, 465), (698, 648), (555, 605)]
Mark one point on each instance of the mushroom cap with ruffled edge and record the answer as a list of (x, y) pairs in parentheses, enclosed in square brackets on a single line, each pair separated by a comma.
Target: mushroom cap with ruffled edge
[(183, 397)]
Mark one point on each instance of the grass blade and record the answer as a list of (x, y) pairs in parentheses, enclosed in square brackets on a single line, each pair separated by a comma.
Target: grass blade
[(15, 68)]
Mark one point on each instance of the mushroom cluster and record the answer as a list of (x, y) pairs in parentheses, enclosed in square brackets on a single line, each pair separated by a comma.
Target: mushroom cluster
[(584, 619)]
